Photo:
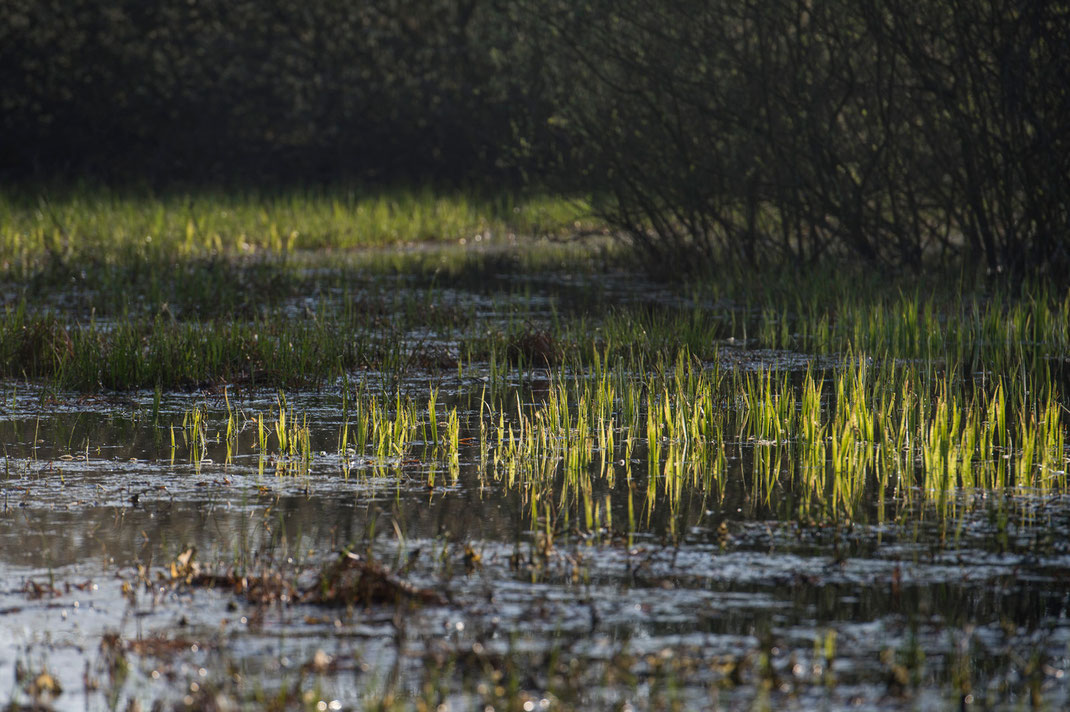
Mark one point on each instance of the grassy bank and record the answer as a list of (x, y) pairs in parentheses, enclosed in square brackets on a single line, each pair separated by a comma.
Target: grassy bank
[(304, 319), (97, 224)]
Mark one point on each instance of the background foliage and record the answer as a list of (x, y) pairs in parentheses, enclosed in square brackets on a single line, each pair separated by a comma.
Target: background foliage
[(223, 89), (891, 132)]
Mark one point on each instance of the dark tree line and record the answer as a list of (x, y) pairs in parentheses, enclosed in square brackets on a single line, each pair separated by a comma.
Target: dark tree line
[(747, 130), (256, 89)]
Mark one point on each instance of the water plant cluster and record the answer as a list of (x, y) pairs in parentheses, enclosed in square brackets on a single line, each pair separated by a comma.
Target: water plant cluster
[(821, 444)]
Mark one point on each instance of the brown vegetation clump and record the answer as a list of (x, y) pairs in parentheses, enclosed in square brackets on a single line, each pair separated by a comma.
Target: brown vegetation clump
[(350, 580), (39, 344), (535, 347), (355, 581)]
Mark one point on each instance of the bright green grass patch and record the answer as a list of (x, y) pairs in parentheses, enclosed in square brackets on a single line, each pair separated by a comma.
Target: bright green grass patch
[(818, 445), (103, 224)]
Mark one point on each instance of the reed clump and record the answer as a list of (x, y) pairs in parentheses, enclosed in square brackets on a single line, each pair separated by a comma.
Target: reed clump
[(832, 441)]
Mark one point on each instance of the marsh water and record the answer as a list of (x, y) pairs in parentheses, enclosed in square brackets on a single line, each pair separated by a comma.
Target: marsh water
[(622, 594)]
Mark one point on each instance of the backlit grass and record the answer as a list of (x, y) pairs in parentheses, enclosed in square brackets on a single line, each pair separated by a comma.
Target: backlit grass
[(829, 445), (836, 386), (94, 224)]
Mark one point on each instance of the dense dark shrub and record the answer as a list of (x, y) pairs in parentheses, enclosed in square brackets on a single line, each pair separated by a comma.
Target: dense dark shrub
[(891, 132)]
